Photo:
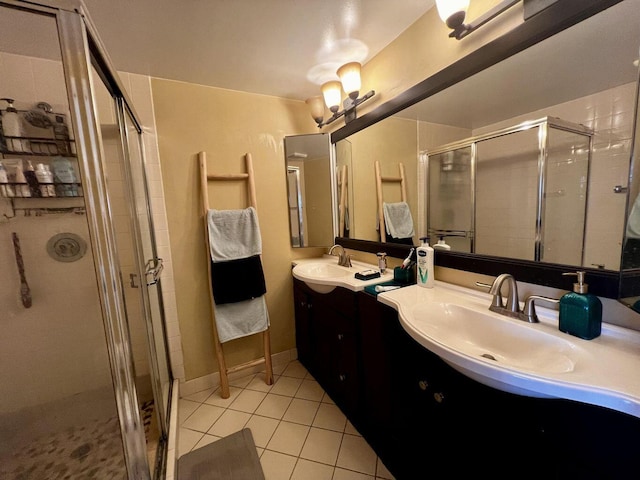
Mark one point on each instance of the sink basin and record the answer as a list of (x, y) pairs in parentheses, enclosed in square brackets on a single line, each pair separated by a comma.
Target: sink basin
[(322, 270), (323, 274), (493, 339), (535, 360)]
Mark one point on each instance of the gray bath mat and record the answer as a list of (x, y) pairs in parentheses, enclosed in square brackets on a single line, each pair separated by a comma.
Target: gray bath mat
[(230, 458)]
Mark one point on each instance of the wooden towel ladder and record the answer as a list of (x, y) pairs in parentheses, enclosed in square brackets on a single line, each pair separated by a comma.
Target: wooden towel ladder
[(403, 194), (205, 178), (343, 183)]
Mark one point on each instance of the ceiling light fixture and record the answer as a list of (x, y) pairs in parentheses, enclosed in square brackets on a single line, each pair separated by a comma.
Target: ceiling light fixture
[(350, 82), (453, 12)]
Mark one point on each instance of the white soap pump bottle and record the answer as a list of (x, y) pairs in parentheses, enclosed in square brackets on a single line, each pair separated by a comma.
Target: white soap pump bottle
[(425, 264), (12, 126)]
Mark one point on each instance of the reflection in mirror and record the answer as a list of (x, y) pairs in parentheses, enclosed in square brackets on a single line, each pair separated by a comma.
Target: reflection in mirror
[(517, 193), (309, 190), (344, 194), (583, 75), (391, 143)]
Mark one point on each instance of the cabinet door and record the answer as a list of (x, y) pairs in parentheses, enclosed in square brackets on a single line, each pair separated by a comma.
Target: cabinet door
[(336, 355), (303, 305), (378, 328)]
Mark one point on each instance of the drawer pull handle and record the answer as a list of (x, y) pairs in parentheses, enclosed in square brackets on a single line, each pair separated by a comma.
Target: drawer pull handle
[(438, 397), (423, 384), (342, 377)]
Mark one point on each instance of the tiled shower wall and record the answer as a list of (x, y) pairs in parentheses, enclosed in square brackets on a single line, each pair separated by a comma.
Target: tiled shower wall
[(69, 330), (610, 114)]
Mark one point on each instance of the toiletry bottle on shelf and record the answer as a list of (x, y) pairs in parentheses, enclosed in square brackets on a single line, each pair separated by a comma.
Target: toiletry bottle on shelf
[(442, 245), (32, 180), (580, 311), (12, 126), (65, 177), (382, 261), (61, 134), (425, 264), (22, 187), (6, 190), (45, 180)]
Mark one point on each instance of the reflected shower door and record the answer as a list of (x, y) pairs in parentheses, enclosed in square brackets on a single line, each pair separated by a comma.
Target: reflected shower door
[(450, 198), (565, 197), (507, 194)]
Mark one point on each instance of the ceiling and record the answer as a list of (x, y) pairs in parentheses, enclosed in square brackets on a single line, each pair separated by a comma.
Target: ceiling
[(259, 46)]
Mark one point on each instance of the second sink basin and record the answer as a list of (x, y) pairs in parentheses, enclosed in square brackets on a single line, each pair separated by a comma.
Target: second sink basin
[(503, 341), (323, 274), (322, 270)]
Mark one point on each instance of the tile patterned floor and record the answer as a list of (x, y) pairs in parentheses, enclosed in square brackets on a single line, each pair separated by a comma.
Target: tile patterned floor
[(299, 432)]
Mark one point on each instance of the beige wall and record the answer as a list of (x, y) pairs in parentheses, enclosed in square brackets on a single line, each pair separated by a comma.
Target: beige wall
[(425, 48), (390, 142), (226, 124)]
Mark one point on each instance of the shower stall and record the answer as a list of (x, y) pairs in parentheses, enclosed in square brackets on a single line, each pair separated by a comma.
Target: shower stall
[(84, 363), (519, 192)]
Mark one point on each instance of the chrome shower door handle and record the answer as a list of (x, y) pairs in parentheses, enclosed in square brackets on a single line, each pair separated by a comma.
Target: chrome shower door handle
[(152, 271)]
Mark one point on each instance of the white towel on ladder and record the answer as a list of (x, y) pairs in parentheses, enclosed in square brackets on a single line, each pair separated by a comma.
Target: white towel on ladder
[(233, 235), (237, 320), (398, 220)]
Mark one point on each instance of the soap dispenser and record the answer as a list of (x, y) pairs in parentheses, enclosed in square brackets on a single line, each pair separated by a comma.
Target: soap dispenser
[(580, 311)]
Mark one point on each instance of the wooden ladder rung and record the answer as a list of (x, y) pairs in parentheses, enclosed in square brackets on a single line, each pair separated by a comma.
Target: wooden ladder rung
[(228, 176)]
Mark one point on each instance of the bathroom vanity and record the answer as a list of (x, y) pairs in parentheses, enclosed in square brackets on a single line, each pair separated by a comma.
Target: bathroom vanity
[(424, 417)]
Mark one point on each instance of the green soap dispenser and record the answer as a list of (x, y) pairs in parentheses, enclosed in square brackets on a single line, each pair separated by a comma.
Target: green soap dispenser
[(580, 311)]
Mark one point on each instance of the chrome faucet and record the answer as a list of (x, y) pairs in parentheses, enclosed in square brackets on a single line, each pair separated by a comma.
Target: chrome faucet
[(512, 307), (344, 260)]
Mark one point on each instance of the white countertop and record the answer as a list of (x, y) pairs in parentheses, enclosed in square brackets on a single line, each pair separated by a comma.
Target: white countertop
[(606, 371)]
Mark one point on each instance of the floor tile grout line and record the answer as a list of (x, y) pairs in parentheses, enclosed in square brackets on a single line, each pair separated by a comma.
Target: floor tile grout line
[(280, 420)]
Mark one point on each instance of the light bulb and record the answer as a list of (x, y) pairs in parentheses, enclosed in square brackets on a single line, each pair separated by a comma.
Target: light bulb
[(452, 12), (331, 91), (316, 106), (349, 75)]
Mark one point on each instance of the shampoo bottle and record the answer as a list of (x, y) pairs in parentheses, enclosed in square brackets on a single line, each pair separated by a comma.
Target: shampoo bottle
[(12, 126), (580, 311), (425, 264), (32, 180)]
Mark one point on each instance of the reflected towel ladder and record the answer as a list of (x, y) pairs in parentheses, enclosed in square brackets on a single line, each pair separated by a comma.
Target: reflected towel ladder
[(403, 194), (343, 182), (205, 178)]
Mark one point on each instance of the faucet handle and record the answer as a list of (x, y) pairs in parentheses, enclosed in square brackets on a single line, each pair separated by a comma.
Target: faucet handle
[(529, 311), (496, 302)]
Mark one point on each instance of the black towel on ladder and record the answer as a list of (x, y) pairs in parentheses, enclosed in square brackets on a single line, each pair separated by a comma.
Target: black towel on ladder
[(237, 280)]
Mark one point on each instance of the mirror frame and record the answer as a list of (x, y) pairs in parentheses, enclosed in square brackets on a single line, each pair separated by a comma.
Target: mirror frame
[(554, 19)]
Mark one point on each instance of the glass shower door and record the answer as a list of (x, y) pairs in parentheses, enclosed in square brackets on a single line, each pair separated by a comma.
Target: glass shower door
[(152, 267)]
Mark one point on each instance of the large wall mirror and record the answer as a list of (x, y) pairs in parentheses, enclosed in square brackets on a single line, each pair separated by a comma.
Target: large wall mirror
[(476, 149), (310, 190)]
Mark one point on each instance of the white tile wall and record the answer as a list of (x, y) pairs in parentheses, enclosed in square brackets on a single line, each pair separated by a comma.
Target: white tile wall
[(611, 114), (64, 327)]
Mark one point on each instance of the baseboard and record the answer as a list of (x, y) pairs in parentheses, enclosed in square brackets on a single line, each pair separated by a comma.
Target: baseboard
[(212, 380)]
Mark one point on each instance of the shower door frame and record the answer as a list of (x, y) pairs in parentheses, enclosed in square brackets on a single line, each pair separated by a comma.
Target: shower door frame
[(81, 48), (543, 124)]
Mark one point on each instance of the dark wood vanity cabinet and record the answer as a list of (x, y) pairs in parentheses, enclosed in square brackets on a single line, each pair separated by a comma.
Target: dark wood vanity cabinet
[(327, 342), (423, 418)]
